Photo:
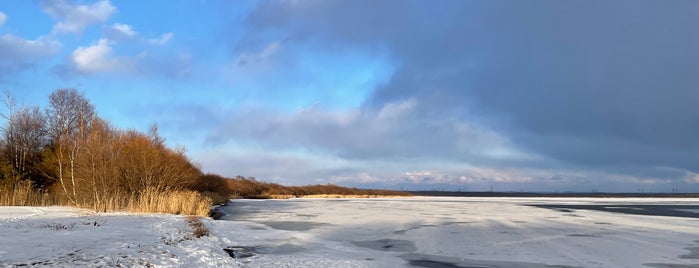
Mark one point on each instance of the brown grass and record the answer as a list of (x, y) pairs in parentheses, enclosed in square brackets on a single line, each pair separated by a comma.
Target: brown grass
[(174, 202), (185, 202), (217, 198), (24, 194), (198, 228)]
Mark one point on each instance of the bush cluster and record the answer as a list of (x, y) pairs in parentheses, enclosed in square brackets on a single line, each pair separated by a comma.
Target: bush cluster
[(67, 155)]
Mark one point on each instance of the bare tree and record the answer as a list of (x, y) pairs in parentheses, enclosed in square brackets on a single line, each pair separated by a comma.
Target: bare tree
[(69, 115), (9, 176), (97, 164), (24, 137)]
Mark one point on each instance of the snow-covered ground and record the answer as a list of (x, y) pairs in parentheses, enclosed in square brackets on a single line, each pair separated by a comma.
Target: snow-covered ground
[(410, 232), (70, 237)]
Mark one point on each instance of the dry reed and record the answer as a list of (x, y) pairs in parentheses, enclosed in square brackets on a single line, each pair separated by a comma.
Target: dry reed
[(24, 194), (174, 201), (149, 200)]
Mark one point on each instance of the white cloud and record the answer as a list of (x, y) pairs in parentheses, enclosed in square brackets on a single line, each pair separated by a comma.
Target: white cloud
[(260, 57), (95, 58), (124, 28), (119, 31), (164, 38), (75, 18), (397, 109), (104, 57), (123, 32), (692, 178), (358, 178), (471, 175), (286, 167), (3, 18)]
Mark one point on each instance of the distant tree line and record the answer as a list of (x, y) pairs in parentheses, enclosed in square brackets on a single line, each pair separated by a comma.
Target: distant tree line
[(240, 187), (65, 154)]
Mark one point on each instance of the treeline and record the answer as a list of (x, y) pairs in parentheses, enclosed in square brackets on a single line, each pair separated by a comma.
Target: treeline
[(65, 154), (217, 186)]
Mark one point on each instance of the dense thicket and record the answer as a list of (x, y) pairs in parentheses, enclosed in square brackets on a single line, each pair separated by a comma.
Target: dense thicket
[(66, 154)]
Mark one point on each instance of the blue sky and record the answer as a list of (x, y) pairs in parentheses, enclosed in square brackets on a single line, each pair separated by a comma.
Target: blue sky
[(539, 96)]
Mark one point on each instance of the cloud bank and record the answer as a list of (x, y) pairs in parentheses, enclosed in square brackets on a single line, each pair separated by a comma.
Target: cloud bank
[(502, 85)]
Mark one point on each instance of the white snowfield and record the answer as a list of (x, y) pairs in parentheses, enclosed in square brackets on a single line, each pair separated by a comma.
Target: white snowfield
[(70, 237), (410, 232)]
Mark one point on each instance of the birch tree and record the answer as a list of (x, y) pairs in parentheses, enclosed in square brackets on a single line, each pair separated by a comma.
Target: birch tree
[(69, 115)]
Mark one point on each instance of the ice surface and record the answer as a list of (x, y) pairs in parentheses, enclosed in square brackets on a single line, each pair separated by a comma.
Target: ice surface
[(477, 232), (410, 232)]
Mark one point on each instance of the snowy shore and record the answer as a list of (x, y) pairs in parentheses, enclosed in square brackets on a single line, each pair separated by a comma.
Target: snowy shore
[(70, 237), (413, 232)]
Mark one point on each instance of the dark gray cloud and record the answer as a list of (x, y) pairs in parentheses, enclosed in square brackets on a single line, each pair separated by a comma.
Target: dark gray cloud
[(599, 84)]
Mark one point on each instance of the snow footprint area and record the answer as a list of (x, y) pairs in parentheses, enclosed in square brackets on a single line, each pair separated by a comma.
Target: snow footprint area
[(9, 214), (68, 237)]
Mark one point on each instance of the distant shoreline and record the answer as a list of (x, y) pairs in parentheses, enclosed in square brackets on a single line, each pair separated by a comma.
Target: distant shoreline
[(531, 194)]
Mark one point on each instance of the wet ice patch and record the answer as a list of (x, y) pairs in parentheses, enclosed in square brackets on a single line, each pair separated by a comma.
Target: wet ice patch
[(402, 232), (294, 225), (693, 253), (240, 252), (388, 245), (688, 210), (436, 261), (583, 235), (671, 265)]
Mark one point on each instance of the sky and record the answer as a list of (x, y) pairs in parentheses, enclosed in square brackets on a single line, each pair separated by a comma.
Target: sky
[(541, 95)]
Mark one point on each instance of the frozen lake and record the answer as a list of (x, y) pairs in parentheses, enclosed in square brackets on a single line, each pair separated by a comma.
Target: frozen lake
[(468, 232)]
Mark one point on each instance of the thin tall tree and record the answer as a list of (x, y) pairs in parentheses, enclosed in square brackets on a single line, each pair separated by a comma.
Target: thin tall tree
[(69, 115)]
